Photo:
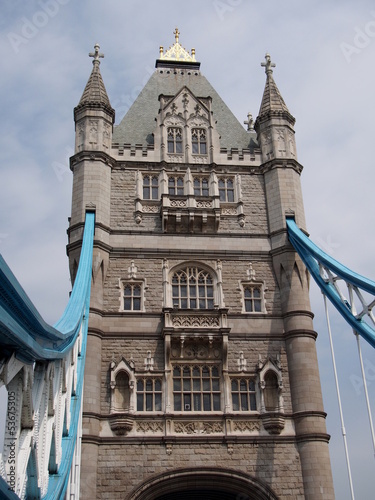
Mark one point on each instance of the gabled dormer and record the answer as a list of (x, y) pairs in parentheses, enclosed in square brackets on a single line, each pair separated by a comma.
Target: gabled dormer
[(185, 128)]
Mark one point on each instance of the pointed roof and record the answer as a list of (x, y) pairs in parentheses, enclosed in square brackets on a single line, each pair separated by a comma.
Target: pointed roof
[(176, 55), (272, 101), (95, 94)]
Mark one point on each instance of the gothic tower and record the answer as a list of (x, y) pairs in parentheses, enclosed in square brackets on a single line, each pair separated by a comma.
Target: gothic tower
[(201, 376)]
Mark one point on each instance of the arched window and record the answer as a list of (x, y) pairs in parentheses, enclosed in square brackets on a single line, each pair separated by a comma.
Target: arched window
[(199, 141), (271, 391), (150, 187), (192, 288), (174, 140), (149, 394), (122, 393), (196, 388), (243, 395), (201, 186), (226, 190), (175, 185), (132, 296)]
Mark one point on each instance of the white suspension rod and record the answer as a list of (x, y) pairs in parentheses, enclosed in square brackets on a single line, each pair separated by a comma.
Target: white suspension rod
[(365, 388), (339, 399)]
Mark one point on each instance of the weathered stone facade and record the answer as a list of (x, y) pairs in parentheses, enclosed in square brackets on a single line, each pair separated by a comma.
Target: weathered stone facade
[(201, 370)]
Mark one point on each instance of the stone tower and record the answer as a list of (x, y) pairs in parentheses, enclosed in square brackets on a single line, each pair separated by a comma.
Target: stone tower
[(201, 376)]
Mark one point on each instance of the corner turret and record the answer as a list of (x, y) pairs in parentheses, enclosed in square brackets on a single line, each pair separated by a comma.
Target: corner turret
[(94, 116), (274, 125)]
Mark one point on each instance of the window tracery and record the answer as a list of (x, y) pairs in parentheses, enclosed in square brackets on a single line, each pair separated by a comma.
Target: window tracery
[(192, 288), (174, 140), (199, 141)]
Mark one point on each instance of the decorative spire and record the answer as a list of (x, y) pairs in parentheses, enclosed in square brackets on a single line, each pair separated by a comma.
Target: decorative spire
[(177, 52)]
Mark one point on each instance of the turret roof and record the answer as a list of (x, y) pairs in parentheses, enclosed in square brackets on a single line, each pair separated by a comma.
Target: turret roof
[(272, 100), (95, 92)]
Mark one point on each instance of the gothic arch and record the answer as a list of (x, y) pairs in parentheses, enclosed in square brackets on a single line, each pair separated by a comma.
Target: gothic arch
[(207, 482)]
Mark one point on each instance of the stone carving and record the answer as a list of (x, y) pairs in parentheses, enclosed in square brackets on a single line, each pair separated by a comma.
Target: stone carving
[(195, 322), (246, 425), (212, 427), (149, 426), (150, 209), (186, 427), (178, 203), (198, 427), (204, 204), (228, 211)]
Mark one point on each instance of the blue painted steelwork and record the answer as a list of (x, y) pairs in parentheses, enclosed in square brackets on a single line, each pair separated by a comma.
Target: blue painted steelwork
[(22, 327), (314, 258), (22, 330)]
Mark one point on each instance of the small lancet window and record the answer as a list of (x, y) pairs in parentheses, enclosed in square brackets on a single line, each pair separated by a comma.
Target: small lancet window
[(201, 187), (199, 141), (175, 186), (150, 187), (174, 140), (226, 190), (132, 297), (253, 298)]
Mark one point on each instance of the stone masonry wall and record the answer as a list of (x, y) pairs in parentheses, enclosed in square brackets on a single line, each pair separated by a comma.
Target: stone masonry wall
[(123, 467)]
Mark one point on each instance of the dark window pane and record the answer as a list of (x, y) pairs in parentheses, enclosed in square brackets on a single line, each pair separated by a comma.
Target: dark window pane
[(235, 402), (176, 371), (251, 385), (137, 304), (177, 402), (244, 402), (230, 195), (253, 403), (215, 371), (148, 385), (206, 402), (146, 193), (148, 402), (140, 385), (193, 303), (196, 384), (140, 402), (206, 384), (215, 384), (176, 384), (186, 384), (243, 385), (203, 148), (197, 402), (127, 304), (157, 402), (257, 306), (195, 148), (216, 400), (234, 385), (187, 402)]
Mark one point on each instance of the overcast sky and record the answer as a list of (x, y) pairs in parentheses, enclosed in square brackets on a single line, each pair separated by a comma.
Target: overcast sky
[(325, 69)]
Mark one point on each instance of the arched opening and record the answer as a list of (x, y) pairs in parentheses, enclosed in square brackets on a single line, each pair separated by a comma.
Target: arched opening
[(203, 484), (271, 391), (122, 393)]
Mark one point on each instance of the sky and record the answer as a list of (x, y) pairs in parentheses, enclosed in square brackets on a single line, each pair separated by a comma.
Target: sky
[(324, 53)]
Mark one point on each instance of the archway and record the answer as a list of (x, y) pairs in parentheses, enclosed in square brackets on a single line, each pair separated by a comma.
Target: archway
[(202, 484)]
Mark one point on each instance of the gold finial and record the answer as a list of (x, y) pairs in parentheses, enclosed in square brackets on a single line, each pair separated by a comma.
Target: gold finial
[(177, 52), (176, 34)]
